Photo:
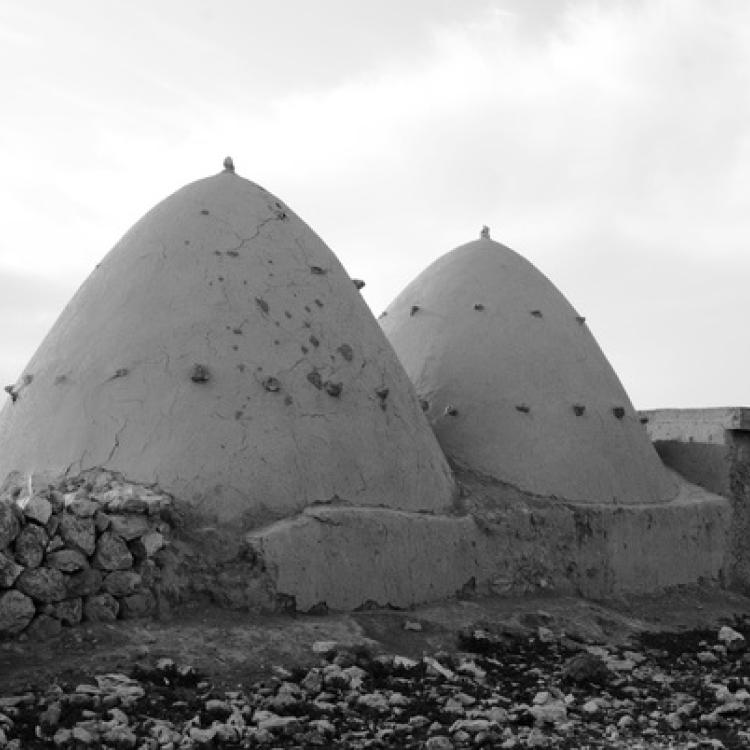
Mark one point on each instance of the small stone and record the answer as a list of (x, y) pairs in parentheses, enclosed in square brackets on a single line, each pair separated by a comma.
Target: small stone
[(120, 737), (374, 701), (54, 544), (278, 724), (43, 627), (79, 533), (122, 499), (85, 583), (112, 553), (121, 582), (30, 545), (733, 640), (52, 526), (548, 709), (202, 737), (62, 737), (16, 612), (67, 560), (9, 571), (128, 526), (10, 524), (312, 681), (101, 608), (43, 584), (585, 668), (82, 736), (101, 522), (706, 657), (68, 611), (152, 543), (83, 507), (472, 726), (324, 647), (591, 707), (440, 742), (50, 717), (38, 509)]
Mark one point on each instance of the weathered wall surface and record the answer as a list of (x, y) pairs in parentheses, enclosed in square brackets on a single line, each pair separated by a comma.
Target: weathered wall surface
[(222, 351), (346, 558), (711, 448), (514, 384)]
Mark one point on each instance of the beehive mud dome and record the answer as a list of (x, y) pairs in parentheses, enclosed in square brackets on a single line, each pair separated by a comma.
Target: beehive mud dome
[(216, 413)]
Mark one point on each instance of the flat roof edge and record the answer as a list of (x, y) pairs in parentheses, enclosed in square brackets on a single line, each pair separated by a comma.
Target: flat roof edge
[(726, 417)]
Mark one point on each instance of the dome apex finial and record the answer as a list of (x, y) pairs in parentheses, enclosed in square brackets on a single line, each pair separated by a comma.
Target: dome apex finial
[(228, 164), (485, 233)]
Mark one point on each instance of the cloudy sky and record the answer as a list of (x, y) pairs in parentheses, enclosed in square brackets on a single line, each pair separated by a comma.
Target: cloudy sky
[(608, 142)]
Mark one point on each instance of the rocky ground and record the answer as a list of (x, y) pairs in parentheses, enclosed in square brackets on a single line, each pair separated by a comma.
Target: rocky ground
[(545, 672)]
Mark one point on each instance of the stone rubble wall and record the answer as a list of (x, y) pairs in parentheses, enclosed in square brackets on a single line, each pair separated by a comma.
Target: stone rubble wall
[(85, 548)]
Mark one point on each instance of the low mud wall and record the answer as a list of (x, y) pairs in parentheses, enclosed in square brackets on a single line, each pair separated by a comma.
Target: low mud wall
[(96, 547)]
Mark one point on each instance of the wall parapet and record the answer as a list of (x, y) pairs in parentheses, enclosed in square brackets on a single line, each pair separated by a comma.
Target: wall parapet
[(711, 448)]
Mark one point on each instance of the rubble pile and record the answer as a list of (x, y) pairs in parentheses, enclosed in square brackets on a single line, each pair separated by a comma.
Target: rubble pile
[(500, 690), (83, 548)]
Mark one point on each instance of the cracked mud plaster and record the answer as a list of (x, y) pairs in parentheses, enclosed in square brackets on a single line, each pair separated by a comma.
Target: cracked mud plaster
[(204, 421)]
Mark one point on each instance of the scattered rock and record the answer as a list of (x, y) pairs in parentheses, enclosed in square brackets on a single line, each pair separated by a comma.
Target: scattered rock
[(121, 582), (79, 533), (85, 583), (30, 546), (101, 608), (112, 553), (10, 525), (733, 640), (586, 668), (38, 509), (128, 526), (16, 612), (9, 571), (67, 560), (43, 584)]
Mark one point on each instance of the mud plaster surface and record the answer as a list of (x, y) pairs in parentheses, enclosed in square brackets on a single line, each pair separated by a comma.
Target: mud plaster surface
[(515, 385), (222, 351)]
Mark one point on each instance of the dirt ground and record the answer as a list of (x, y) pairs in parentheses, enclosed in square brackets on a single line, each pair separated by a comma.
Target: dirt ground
[(235, 648)]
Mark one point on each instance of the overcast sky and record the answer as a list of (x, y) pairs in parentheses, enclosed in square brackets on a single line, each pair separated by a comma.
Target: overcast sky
[(607, 142)]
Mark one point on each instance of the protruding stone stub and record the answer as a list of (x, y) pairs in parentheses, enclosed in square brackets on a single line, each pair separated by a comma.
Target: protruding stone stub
[(229, 164), (485, 233), (333, 389), (359, 283), (200, 374)]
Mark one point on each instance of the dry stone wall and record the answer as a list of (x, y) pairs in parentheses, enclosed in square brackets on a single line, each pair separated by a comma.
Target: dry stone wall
[(83, 548)]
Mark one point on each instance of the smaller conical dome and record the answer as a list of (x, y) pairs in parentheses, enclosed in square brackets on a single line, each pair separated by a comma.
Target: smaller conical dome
[(514, 383)]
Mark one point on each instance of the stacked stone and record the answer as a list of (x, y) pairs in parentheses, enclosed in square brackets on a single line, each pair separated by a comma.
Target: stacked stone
[(86, 548)]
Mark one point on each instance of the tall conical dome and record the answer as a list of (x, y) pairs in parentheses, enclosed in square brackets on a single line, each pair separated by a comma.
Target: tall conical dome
[(514, 383), (221, 350)]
